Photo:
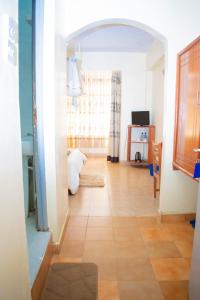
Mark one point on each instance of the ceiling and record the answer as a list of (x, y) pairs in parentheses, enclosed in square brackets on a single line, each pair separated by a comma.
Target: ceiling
[(115, 38)]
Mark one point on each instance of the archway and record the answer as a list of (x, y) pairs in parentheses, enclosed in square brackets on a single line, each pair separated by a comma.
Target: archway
[(95, 26), (116, 21)]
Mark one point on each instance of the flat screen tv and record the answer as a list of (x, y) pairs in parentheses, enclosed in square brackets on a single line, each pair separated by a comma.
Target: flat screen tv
[(140, 118)]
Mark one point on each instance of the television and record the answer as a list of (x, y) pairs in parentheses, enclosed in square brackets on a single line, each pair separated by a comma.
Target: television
[(140, 118)]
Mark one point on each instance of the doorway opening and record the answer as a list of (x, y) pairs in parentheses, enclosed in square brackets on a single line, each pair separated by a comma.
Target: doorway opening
[(30, 29), (138, 54)]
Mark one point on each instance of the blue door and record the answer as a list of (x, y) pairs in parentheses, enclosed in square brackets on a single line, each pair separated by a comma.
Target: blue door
[(39, 161)]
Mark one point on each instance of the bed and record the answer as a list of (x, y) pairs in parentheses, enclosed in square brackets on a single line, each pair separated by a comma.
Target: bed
[(76, 160)]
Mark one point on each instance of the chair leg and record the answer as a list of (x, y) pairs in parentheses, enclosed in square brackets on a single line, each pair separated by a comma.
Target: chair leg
[(154, 187)]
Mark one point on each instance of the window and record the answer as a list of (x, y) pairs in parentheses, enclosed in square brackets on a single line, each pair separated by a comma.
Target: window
[(89, 120)]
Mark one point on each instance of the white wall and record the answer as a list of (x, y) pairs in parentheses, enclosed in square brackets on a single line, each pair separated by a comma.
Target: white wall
[(154, 54), (133, 70), (61, 119), (155, 64), (14, 277), (177, 21), (54, 88), (158, 99)]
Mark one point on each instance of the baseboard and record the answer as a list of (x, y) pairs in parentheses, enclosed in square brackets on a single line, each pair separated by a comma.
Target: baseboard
[(95, 155), (177, 218), (57, 246), (39, 282)]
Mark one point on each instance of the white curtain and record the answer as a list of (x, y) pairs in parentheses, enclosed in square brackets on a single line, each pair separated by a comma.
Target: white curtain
[(88, 123), (114, 136)]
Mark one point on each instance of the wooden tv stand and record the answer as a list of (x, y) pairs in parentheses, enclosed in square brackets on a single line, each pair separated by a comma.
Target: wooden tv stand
[(136, 144)]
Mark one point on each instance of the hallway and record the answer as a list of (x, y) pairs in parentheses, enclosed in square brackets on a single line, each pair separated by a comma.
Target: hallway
[(117, 228)]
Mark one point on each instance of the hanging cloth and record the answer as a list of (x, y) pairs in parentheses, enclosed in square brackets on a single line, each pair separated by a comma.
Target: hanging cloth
[(114, 135), (74, 82)]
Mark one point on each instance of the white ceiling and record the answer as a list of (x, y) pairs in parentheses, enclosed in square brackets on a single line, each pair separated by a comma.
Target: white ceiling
[(117, 38)]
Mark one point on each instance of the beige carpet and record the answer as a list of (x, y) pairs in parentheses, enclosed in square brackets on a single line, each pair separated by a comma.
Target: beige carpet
[(71, 281), (92, 180)]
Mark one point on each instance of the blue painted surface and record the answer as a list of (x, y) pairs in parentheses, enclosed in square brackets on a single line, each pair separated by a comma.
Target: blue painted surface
[(38, 27), (37, 242), (25, 66), (25, 184), (25, 82)]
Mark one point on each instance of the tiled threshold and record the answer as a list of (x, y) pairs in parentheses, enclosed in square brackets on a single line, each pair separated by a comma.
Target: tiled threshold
[(37, 243)]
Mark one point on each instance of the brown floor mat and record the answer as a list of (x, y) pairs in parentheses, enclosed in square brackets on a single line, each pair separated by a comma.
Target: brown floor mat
[(71, 281), (92, 180)]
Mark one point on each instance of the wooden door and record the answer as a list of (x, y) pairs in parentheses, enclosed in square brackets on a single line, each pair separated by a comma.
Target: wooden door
[(187, 127)]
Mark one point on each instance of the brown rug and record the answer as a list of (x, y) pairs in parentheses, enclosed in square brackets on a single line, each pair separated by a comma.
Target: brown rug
[(71, 281), (92, 180)]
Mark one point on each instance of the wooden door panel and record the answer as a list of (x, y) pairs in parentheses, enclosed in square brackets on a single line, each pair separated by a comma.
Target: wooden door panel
[(187, 127)]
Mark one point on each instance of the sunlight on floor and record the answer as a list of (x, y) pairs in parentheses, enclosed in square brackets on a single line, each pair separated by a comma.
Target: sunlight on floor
[(128, 192)]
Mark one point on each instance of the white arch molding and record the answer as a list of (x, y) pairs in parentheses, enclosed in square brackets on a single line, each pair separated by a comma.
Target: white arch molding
[(92, 27)]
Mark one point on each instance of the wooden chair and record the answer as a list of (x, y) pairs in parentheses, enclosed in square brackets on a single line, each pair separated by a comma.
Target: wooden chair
[(157, 155)]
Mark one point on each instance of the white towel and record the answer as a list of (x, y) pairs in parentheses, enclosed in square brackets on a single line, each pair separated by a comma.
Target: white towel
[(74, 78)]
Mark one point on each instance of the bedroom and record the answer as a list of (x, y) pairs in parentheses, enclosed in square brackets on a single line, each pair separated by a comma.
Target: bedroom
[(138, 58)]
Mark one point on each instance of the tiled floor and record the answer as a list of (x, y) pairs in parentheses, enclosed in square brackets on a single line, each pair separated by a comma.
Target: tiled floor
[(117, 228), (128, 192)]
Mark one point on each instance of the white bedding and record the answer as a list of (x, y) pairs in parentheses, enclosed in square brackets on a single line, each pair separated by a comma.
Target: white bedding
[(76, 160)]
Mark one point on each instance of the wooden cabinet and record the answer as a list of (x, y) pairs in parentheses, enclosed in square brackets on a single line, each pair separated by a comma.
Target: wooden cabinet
[(138, 144), (187, 122)]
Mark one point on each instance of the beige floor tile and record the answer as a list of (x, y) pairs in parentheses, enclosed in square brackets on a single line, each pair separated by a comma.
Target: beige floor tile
[(120, 203), (161, 249), (79, 201), (123, 211), (127, 192), (174, 290), (100, 222), (84, 192), (155, 234), (100, 211), (178, 227), (99, 196), (77, 221), (106, 267), (75, 233), (99, 249), (147, 221), (143, 290), (99, 234), (100, 204), (177, 235), (108, 290), (128, 234), (185, 248), (171, 269), (146, 212), (127, 249), (80, 211), (124, 222), (134, 269), (72, 249)]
